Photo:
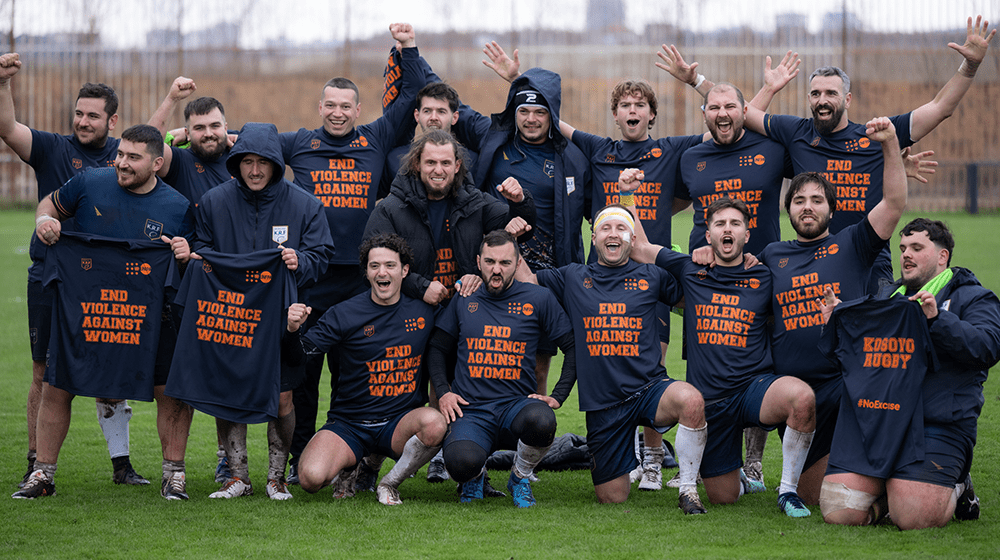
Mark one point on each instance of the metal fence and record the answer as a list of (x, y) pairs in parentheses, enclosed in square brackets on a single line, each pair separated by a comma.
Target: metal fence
[(895, 52)]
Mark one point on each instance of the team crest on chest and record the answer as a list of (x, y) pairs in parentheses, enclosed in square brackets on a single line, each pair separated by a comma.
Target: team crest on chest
[(369, 330), (588, 282), (206, 267), (473, 306), (279, 234), (782, 263), (153, 229), (77, 163), (86, 264), (701, 166), (314, 144), (549, 168)]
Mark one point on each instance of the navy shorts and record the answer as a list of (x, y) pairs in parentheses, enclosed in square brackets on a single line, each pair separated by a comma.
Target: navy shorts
[(488, 424), (947, 455), (610, 431), (726, 419), (40, 300), (365, 438)]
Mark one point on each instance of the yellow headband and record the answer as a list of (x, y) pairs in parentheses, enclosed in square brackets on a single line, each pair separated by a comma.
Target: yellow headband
[(614, 213)]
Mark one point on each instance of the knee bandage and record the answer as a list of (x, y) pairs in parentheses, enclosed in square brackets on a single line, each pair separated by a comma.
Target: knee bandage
[(835, 496)]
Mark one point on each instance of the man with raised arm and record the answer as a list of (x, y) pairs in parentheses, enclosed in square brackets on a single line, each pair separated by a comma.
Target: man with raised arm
[(56, 158)]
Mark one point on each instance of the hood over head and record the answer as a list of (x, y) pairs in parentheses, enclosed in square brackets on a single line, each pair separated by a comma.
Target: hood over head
[(259, 139)]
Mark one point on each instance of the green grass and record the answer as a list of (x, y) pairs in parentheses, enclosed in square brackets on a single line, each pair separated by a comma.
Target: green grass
[(92, 518)]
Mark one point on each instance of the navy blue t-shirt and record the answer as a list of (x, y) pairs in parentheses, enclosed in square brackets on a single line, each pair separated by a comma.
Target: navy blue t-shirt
[(498, 338), (102, 207), (725, 318), (192, 176), (750, 169), (106, 316), (847, 158), (227, 360), (660, 162), (613, 314), (800, 273), (884, 350), (56, 158), (381, 350)]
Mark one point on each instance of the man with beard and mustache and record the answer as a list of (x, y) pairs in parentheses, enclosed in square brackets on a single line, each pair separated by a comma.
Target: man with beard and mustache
[(737, 163), (729, 354), (443, 216), (194, 170), (801, 270), (55, 159), (126, 202), (831, 144), (623, 384), (492, 401)]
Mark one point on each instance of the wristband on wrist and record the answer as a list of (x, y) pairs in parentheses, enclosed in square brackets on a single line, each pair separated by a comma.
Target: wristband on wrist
[(44, 218), (698, 81), (626, 199), (968, 69)]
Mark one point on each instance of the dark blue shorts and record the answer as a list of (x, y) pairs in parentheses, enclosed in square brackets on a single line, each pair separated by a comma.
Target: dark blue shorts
[(488, 424), (365, 438), (610, 431), (726, 419), (40, 301), (947, 455)]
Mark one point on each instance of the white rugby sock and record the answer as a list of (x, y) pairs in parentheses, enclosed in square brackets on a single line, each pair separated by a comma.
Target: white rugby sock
[(113, 419), (527, 458), (415, 455), (794, 448), (652, 457), (279, 443), (690, 446)]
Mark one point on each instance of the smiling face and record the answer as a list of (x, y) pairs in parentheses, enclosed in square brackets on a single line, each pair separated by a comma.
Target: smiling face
[(828, 103), (810, 212), (727, 234), (208, 134), (533, 124), (497, 266), (613, 242), (724, 115), (91, 123), (435, 113), (920, 259), (439, 168), (385, 274), (136, 167), (633, 114), (339, 109)]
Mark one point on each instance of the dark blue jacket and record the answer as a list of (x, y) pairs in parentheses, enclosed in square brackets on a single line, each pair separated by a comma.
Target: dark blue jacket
[(500, 129), (233, 219), (966, 336)]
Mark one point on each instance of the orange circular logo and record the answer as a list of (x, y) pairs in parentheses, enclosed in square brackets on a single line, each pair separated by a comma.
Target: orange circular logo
[(656, 152), (528, 309), (265, 277), (643, 285), (145, 269), (833, 249), (754, 283), (759, 159), (363, 140), (864, 142), (421, 323)]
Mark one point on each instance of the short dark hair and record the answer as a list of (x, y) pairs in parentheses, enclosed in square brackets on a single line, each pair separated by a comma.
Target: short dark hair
[(499, 238), (639, 88), (722, 86), (828, 71), (389, 241), (803, 179), (410, 164), (727, 202), (440, 91), (100, 91), (937, 231), (343, 83), (203, 106), (148, 135)]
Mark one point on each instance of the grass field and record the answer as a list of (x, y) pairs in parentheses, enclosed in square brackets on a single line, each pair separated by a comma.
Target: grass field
[(92, 518)]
